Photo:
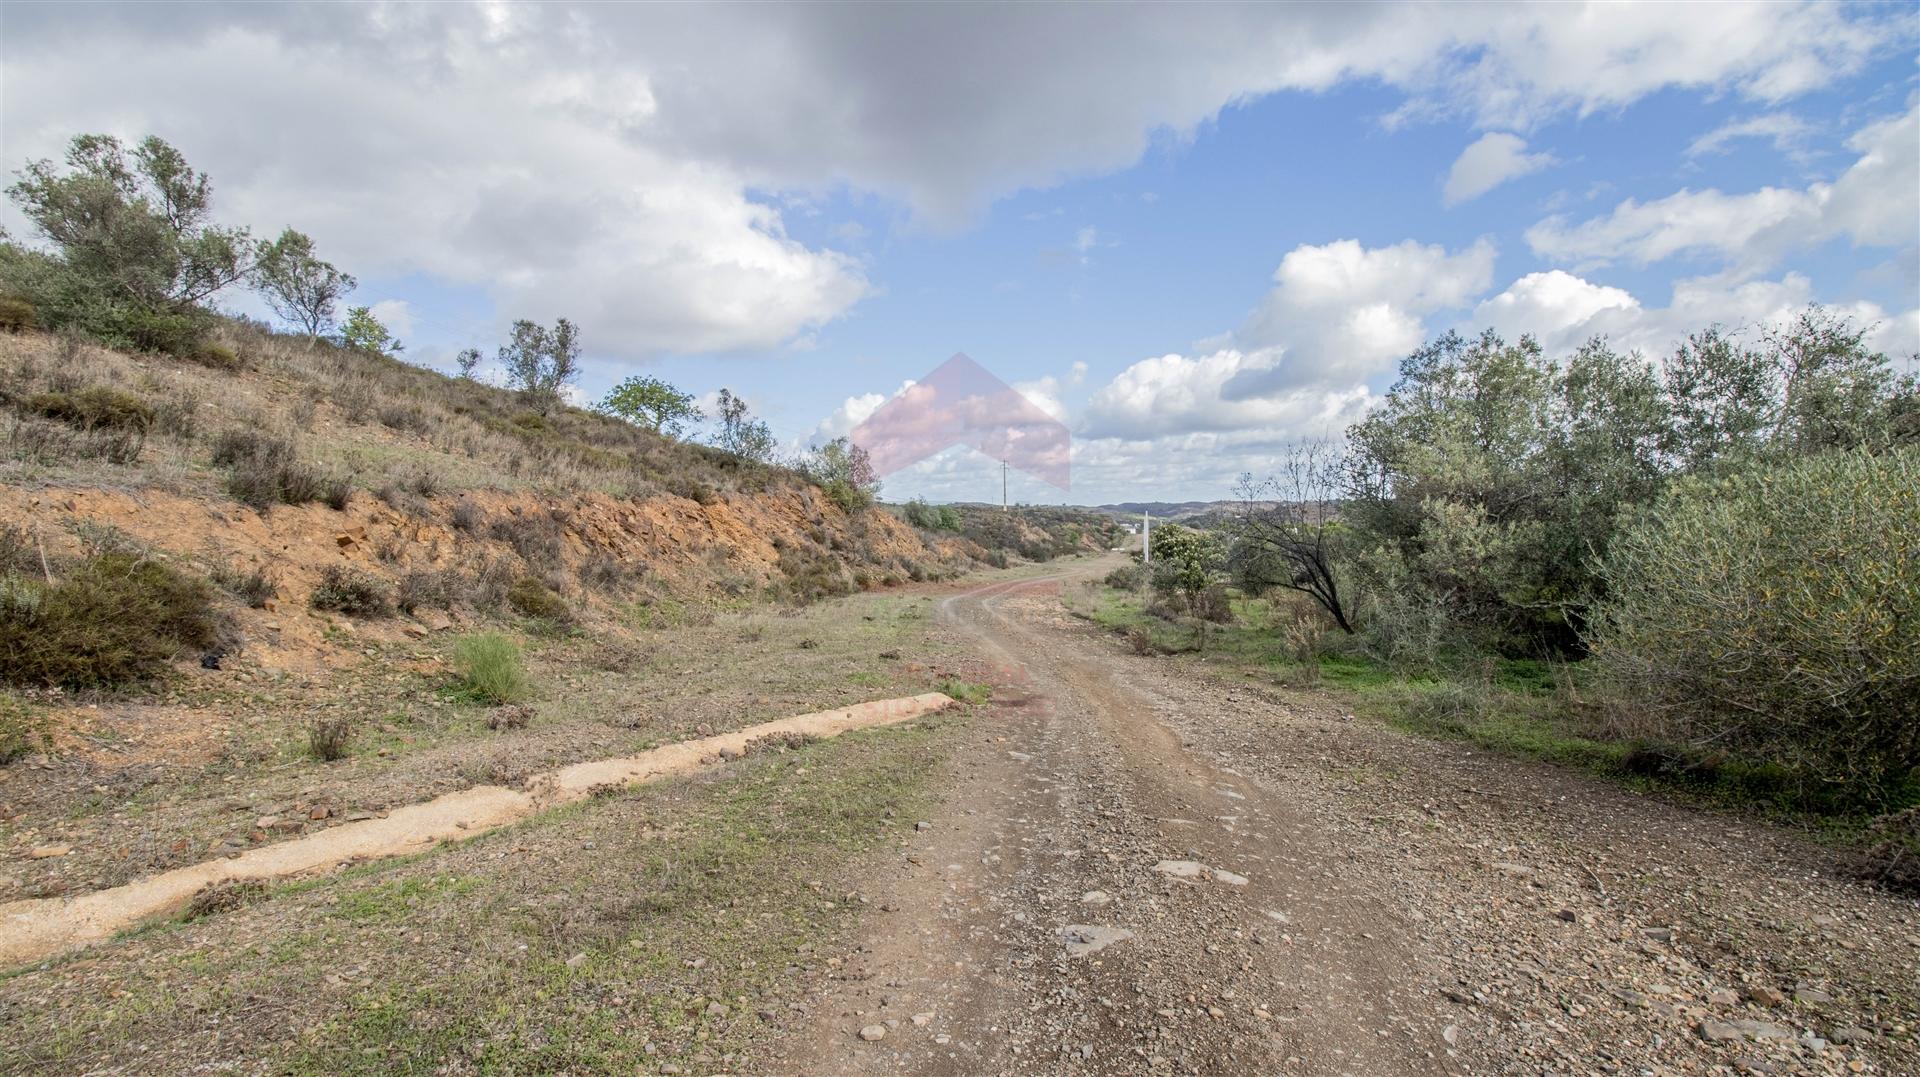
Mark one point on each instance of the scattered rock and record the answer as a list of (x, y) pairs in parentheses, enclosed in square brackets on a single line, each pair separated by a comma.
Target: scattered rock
[(1568, 915), (1850, 1034), (873, 1033), (1718, 1032), (1096, 898), (48, 852), (922, 1020), (577, 960), (718, 1009), (1812, 996), (1083, 939), (923, 825), (1763, 995)]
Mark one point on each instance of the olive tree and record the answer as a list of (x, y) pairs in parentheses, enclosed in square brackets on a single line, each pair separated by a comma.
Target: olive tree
[(1776, 612), (301, 288), (541, 362)]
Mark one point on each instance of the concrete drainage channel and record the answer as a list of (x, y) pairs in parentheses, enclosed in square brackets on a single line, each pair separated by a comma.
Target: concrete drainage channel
[(33, 929)]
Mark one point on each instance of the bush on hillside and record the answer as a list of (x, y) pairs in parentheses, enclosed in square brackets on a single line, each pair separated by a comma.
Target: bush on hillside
[(96, 407), (352, 592), (113, 619), (531, 598), (266, 470), (1776, 612)]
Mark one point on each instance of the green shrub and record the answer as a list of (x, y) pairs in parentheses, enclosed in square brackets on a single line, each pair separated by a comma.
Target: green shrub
[(97, 407), (534, 599), (17, 314), (173, 332), (1775, 613), (1128, 578), (113, 619), (491, 668), (350, 591)]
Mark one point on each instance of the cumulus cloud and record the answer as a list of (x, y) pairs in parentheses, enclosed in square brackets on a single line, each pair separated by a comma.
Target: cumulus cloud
[(1492, 160), (1338, 315), (1562, 311), (1873, 203), (1338, 310)]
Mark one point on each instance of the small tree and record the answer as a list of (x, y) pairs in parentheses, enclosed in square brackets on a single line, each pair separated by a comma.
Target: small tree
[(542, 362), (740, 433), (1287, 533), (1185, 561), (134, 249), (300, 288), (845, 472), (364, 332), (467, 362), (652, 403)]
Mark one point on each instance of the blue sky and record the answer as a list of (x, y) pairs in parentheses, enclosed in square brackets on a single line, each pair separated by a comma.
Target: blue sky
[(1196, 237)]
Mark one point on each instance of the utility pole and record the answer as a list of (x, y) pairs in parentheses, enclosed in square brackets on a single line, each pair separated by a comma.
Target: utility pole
[(1146, 538), (1003, 486)]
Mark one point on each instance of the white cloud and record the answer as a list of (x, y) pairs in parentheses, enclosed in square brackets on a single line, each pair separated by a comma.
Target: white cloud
[(1339, 310), (1562, 311), (1492, 160), (1179, 394), (852, 411), (396, 315), (1784, 130), (1874, 203)]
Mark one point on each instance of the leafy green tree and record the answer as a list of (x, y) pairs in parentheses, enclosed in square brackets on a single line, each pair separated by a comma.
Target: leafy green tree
[(845, 472), (1185, 561), (541, 362), (467, 362), (919, 513), (134, 249), (652, 403), (301, 288), (946, 518), (364, 332), (740, 433)]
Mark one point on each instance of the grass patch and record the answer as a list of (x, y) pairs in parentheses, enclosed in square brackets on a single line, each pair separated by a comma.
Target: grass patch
[(516, 952), (965, 691), (492, 668)]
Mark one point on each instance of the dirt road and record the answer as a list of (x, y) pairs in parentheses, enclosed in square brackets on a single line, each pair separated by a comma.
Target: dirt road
[(1138, 870)]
